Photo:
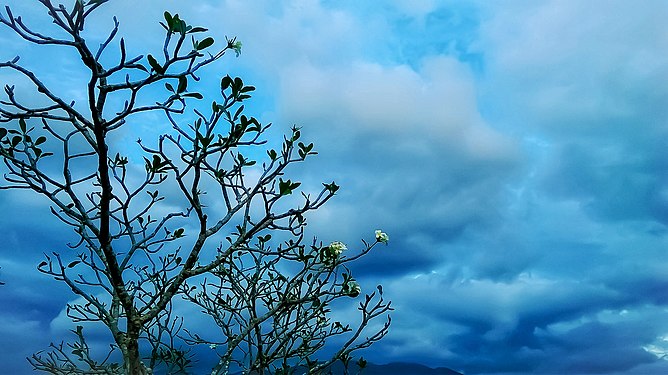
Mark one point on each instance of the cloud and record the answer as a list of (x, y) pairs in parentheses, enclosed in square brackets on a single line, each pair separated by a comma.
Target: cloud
[(401, 142), (528, 325), (20, 337), (514, 152), (586, 84)]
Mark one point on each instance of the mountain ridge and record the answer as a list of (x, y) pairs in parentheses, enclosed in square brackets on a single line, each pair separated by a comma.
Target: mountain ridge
[(406, 368), (393, 368)]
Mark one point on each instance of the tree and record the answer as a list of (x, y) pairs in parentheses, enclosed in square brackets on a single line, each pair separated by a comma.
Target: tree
[(202, 223)]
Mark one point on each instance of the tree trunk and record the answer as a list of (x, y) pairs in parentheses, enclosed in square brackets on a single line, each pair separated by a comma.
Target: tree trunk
[(133, 364)]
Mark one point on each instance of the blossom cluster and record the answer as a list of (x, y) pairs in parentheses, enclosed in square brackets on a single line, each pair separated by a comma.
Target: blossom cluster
[(330, 254), (336, 248), (382, 237), (351, 288)]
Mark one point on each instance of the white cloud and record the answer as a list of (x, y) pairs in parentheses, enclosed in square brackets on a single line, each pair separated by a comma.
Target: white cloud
[(427, 151), (575, 65), (416, 8), (416, 136)]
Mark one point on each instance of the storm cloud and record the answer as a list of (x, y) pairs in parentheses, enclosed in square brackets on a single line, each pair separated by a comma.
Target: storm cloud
[(514, 151)]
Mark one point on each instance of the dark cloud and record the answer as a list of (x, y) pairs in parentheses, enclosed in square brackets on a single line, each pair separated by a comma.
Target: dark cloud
[(514, 153)]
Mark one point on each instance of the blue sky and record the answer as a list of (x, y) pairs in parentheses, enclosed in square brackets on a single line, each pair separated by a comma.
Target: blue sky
[(514, 151)]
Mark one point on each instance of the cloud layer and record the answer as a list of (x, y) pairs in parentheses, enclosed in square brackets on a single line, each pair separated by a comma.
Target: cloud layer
[(514, 152)]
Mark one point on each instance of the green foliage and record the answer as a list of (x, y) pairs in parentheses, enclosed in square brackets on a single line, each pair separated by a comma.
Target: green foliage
[(147, 239), (286, 187)]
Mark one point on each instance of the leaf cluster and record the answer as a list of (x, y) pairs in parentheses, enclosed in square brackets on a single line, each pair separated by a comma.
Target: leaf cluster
[(193, 224)]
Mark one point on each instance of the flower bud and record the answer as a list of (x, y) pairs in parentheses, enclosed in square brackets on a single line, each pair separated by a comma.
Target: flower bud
[(382, 237)]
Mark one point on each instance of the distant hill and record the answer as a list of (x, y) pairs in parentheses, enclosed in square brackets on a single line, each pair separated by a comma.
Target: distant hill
[(401, 368), (397, 368)]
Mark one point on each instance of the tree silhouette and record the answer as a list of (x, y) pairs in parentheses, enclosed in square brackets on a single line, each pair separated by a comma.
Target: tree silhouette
[(203, 215)]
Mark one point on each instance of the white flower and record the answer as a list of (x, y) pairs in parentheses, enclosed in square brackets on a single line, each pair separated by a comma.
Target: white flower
[(330, 254), (352, 288), (337, 248), (213, 346), (382, 237), (237, 48)]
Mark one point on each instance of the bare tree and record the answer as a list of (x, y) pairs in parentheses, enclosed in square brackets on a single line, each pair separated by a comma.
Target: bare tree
[(203, 220)]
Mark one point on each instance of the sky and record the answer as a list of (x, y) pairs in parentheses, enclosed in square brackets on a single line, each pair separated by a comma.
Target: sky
[(514, 151)]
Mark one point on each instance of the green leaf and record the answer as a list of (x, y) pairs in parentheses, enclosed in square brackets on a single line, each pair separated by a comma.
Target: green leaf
[(244, 121), (148, 166), (180, 26), (176, 23), (155, 65), (238, 112), (16, 140), (272, 154), (183, 84), (197, 30), (22, 124), (205, 141), (3, 133), (225, 82), (169, 87), (286, 187), (304, 150), (295, 133), (156, 161), (39, 140), (207, 42), (120, 160), (195, 95), (178, 233), (332, 188), (72, 264), (170, 20)]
